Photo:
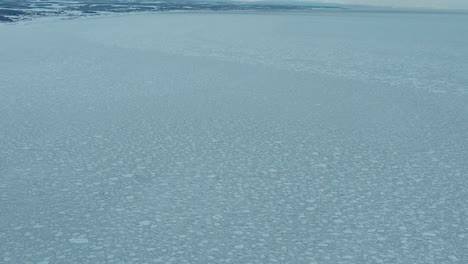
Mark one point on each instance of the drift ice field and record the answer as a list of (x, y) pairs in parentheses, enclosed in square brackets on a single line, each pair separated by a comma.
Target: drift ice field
[(321, 137)]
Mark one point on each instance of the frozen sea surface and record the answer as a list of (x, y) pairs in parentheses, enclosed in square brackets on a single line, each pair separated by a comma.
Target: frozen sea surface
[(235, 138)]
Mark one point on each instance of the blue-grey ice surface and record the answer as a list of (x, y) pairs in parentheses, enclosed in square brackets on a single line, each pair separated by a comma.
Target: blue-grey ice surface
[(235, 138)]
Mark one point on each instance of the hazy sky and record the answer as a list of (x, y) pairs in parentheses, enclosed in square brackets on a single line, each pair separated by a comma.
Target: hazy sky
[(439, 4)]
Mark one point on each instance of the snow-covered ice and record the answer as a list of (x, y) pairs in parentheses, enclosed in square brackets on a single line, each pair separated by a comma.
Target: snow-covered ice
[(78, 240), (235, 138)]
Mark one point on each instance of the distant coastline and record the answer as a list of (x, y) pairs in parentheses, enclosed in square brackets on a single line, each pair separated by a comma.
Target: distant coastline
[(12, 11), (29, 10)]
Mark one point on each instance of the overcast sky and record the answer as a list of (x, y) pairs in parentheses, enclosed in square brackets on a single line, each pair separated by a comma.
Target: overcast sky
[(438, 4)]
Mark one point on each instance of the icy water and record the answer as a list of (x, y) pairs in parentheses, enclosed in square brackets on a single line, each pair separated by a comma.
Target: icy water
[(235, 138)]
